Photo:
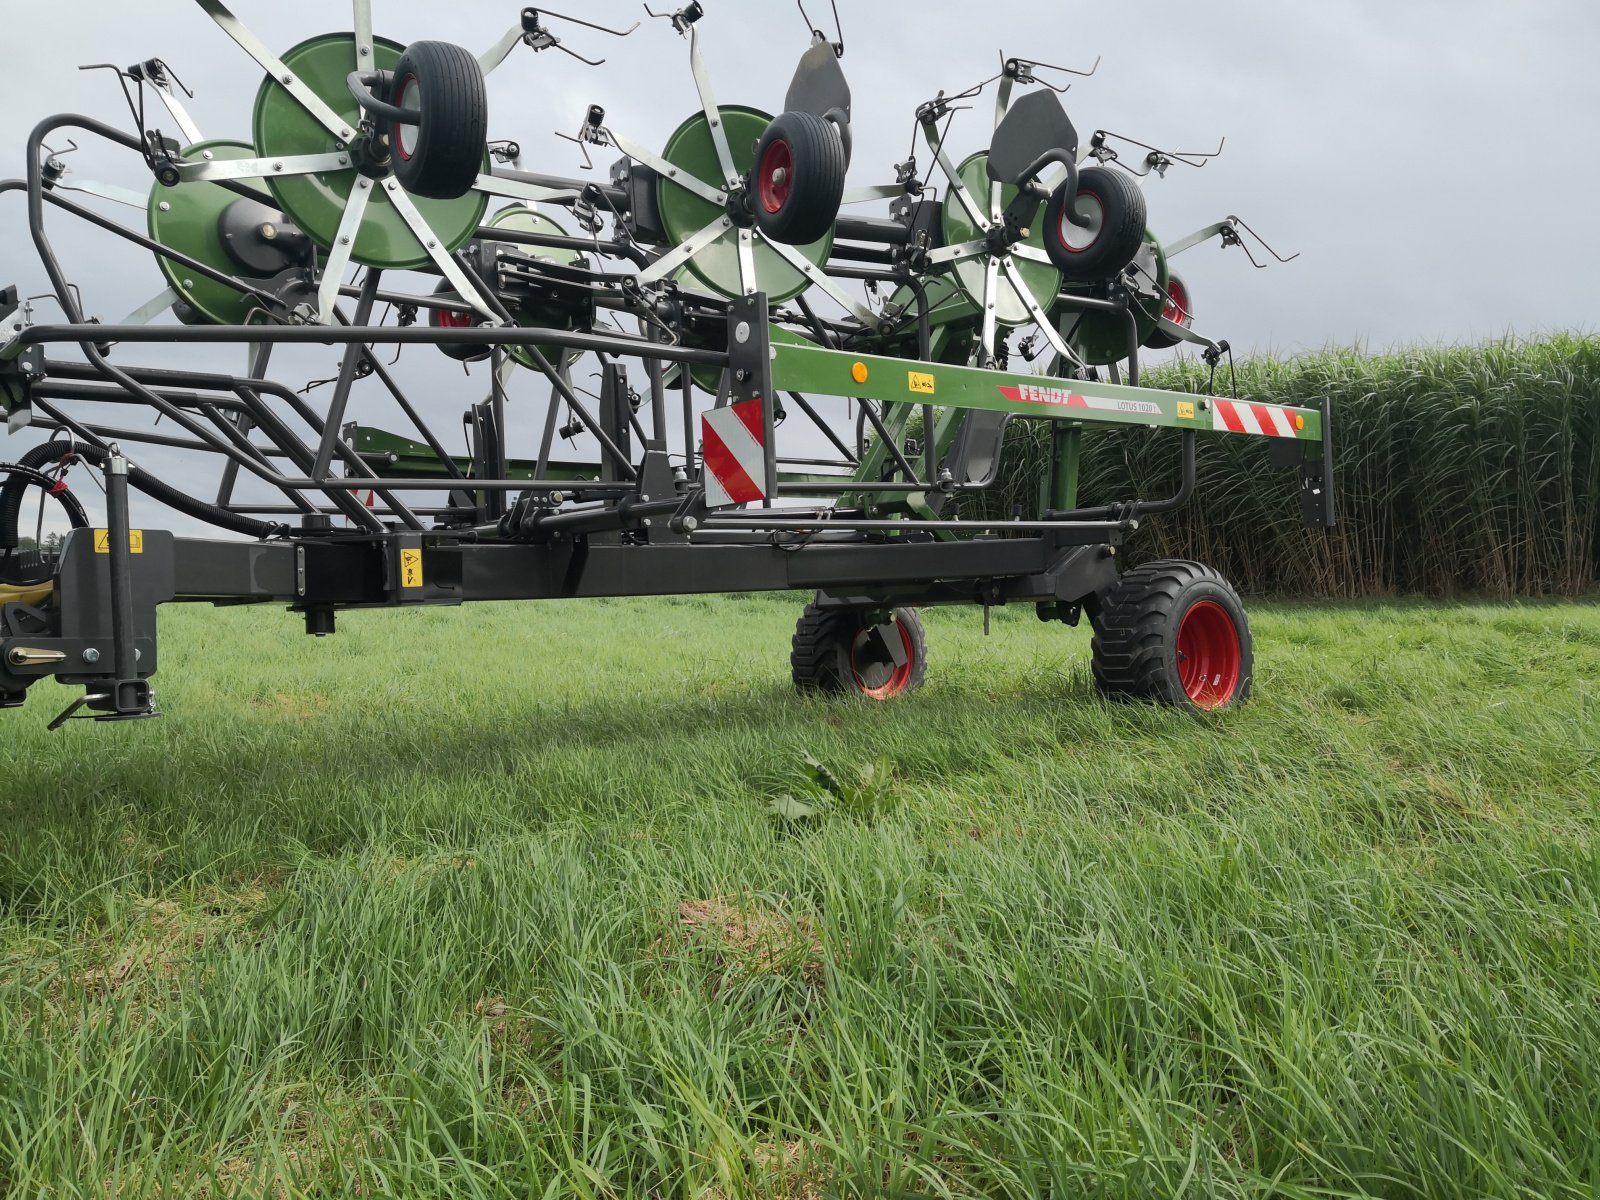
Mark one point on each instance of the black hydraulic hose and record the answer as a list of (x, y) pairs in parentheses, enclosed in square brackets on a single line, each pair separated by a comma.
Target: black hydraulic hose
[(13, 490), (25, 473), (26, 567), (182, 502)]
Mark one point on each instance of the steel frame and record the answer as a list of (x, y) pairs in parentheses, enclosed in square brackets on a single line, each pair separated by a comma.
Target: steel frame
[(540, 528)]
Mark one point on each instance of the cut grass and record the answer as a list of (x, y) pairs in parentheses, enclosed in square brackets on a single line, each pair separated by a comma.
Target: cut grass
[(494, 902)]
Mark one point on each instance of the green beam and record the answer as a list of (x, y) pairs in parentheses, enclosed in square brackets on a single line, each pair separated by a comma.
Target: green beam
[(824, 372)]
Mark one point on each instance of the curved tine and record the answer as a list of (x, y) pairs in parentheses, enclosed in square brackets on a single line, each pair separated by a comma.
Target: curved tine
[(362, 24), (269, 62), (1040, 317), (1263, 241), (708, 104), (464, 287)]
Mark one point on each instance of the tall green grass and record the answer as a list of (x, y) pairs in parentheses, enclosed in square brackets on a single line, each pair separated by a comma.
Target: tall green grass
[(1460, 470), (495, 903)]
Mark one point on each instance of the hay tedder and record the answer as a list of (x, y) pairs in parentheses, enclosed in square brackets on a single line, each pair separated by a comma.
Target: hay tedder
[(785, 395)]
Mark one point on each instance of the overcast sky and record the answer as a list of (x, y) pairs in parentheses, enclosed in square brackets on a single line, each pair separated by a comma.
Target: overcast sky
[(1433, 161)]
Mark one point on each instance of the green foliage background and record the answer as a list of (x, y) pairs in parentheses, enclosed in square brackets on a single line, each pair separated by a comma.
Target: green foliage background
[(1461, 470)]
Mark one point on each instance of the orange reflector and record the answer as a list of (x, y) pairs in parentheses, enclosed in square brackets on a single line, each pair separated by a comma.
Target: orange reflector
[(1299, 421), (859, 372)]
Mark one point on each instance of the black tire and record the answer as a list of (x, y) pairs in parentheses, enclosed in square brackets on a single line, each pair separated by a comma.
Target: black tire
[(1118, 208), (439, 157), (797, 181), (834, 652), (1174, 633), (439, 318), (1179, 310)]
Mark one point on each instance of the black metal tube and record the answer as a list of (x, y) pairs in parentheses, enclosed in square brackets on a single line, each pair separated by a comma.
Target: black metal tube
[(1133, 349), (805, 406), (1140, 508), (888, 443), (329, 335), (118, 524), (861, 254), (582, 413), (561, 241), (871, 229), (686, 382), (347, 377), (597, 520), (1072, 300), (803, 522), (412, 415)]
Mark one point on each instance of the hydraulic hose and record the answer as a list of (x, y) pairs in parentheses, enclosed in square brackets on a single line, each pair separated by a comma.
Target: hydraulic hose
[(27, 568), (16, 483)]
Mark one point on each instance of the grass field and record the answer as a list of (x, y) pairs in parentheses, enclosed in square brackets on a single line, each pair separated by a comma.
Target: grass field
[(547, 901)]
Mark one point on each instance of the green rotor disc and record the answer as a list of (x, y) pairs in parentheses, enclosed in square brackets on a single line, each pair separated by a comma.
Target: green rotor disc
[(1101, 337), (184, 218), (1041, 278), (684, 214), (532, 315), (316, 203)]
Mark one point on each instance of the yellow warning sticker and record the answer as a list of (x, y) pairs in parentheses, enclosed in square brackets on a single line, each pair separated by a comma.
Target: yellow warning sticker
[(102, 541), (922, 384), (410, 568), (1185, 410)]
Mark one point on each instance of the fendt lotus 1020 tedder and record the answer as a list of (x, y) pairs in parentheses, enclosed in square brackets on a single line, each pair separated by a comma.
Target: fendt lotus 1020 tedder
[(762, 421)]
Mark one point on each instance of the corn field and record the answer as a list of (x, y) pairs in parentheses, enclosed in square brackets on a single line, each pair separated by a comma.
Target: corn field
[(1460, 470)]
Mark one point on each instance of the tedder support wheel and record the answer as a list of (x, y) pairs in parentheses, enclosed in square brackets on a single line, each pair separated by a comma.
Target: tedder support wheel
[(1175, 633), (798, 180), (835, 650), (441, 155), (1179, 309), (1116, 210)]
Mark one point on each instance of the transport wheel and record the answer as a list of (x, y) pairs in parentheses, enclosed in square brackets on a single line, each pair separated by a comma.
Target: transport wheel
[(440, 156), (1179, 310), (1175, 633), (690, 151), (440, 318), (1116, 211), (798, 182), (835, 650), (316, 204)]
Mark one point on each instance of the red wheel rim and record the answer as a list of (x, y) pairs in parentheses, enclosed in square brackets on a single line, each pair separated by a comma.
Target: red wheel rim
[(1210, 659), (448, 319), (1177, 309), (897, 677), (404, 135), (775, 175), (1068, 234)]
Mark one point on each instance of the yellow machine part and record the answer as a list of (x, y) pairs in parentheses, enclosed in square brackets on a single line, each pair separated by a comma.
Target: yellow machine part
[(33, 593)]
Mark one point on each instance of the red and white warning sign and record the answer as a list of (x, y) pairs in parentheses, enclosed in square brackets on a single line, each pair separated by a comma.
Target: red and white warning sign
[(1265, 420), (733, 445)]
